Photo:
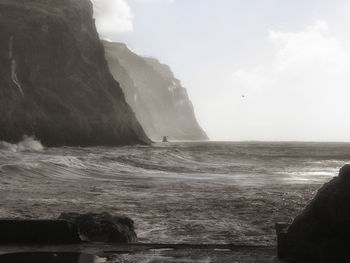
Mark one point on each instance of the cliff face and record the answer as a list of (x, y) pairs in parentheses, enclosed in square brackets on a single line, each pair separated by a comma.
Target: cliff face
[(54, 79), (160, 102)]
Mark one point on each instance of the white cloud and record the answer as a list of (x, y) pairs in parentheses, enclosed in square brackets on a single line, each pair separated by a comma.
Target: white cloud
[(299, 59), (115, 16), (112, 16), (300, 93)]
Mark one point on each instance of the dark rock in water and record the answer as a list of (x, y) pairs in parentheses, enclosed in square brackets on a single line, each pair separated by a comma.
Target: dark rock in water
[(48, 257), (54, 80), (103, 227), (38, 231), (159, 100), (321, 233), (69, 228)]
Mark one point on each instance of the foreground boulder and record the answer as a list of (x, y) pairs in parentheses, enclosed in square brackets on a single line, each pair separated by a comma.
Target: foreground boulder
[(321, 233), (102, 227), (38, 231)]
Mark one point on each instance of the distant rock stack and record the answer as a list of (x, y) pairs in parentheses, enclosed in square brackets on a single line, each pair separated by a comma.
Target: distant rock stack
[(55, 84), (321, 233), (160, 102)]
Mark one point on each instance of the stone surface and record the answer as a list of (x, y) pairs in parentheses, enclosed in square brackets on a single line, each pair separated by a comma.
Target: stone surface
[(38, 231), (103, 227), (49, 257), (159, 100), (54, 80), (282, 239), (321, 233)]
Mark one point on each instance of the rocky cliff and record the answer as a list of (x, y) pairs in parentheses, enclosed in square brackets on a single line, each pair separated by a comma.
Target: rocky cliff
[(54, 79), (160, 102)]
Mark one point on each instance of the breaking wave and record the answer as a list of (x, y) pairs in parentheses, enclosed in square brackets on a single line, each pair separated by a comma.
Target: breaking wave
[(27, 144)]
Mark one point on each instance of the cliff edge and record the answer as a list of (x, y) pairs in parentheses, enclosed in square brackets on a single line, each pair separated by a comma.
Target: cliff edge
[(54, 80), (160, 102)]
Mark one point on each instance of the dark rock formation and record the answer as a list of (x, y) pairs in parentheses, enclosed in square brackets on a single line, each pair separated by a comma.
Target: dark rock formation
[(103, 227), (321, 233), (282, 240), (160, 102), (54, 80), (48, 257), (38, 231), (68, 228)]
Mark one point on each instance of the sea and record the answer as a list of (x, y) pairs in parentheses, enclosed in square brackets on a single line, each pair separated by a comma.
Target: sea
[(178, 192)]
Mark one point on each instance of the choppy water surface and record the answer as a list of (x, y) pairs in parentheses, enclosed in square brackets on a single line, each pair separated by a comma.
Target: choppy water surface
[(176, 193)]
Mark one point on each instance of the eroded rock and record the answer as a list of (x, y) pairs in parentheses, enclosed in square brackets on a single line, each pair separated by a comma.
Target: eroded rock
[(102, 227)]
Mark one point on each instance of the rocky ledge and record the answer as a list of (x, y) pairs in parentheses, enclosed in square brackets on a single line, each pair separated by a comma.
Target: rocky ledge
[(69, 228), (102, 227)]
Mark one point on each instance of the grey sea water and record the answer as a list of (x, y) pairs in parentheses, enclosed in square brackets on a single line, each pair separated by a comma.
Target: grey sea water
[(205, 192)]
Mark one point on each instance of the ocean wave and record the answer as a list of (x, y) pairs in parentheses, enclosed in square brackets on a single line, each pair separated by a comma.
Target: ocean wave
[(27, 144), (180, 192)]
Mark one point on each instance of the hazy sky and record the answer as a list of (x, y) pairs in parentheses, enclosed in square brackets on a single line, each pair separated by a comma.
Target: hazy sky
[(290, 59)]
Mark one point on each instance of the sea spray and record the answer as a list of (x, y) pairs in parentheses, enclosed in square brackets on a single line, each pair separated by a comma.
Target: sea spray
[(27, 144)]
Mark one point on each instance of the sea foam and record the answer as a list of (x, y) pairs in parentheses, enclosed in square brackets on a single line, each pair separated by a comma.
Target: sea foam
[(27, 144)]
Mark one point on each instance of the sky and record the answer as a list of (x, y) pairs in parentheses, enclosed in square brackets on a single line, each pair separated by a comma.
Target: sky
[(272, 70)]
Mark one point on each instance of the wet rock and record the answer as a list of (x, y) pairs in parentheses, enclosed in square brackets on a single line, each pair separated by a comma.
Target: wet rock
[(38, 231), (103, 227), (321, 233)]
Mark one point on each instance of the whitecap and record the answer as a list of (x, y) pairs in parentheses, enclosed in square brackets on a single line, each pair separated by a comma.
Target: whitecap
[(27, 144)]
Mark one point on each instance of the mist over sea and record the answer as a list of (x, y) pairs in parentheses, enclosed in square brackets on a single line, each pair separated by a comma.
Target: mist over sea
[(205, 192)]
